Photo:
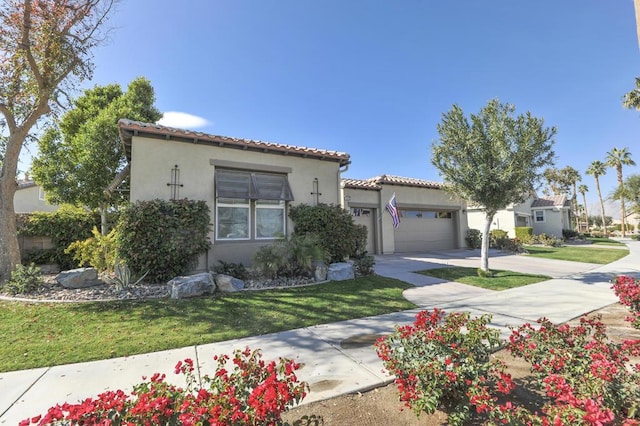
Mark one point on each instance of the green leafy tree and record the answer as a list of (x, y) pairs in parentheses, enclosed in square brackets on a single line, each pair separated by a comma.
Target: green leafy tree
[(492, 158), (79, 159), (616, 158), (46, 51), (583, 189), (597, 169)]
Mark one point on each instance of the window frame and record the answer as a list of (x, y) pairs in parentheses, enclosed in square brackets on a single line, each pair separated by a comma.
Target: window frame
[(543, 217), (246, 206), (281, 206)]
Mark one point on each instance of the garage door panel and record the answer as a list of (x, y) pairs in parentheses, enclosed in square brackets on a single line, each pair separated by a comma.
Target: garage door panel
[(420, 234)]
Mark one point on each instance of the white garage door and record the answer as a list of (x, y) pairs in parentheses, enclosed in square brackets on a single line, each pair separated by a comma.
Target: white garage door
[(423, 230), (366, 217)]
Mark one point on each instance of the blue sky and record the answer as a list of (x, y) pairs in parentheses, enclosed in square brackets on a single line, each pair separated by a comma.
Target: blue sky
[(373, 78)]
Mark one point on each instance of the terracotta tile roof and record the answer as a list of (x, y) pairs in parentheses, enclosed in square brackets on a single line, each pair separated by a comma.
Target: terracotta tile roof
[(377, 182), (405, 181), (129, 128), (360, 184), (552, 201)]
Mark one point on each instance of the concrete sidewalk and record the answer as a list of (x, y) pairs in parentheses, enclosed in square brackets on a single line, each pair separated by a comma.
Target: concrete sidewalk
[(339, 358)]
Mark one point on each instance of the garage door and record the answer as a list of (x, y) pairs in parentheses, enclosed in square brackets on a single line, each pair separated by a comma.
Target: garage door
[(366, 217), (423, 230)]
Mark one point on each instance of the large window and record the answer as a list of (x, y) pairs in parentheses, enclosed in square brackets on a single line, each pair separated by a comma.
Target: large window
[(251, 200)]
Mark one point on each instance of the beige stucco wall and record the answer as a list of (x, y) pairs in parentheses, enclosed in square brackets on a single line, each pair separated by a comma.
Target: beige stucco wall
[(504, 220), (553, 224), (27, 200), (153, 159)]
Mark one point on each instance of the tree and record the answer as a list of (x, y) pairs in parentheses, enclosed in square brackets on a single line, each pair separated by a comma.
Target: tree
[(597, 221), (631, 192), (493, 158), (616, 158), (631, 100), (78, 160), (46, 50), (556, 182), (597, 169), (583, 189)]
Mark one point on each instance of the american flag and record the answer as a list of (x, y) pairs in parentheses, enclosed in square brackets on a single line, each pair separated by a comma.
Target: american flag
[(392, 208)]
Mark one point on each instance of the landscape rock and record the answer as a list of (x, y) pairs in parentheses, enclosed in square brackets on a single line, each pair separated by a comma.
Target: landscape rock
[(78, 278), (191, 286), (340, 272), (228, 284), (320, 271)]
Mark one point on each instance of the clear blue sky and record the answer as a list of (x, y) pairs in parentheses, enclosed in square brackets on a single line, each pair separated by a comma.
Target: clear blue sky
[(373, 78)]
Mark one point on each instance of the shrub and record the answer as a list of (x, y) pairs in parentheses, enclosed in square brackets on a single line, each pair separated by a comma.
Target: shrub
[(252, 393), (24, 280), (364, 265), (64, 226), (289, 257), (548, 240), (524, 234), (442, 362), (236, 270), (583, 375), (569, 234), (627, 289), (474, 238), (98, 251), (498, 239), (340, 237), (163, 237)]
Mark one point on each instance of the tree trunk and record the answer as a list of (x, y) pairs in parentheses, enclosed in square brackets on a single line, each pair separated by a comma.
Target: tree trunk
[(604, 223), (484, 250), (103, 220), (586, 213), (624, 213), (9, 248)]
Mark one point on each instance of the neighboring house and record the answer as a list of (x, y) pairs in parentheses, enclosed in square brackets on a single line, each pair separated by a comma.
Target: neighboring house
[(546, 215), (30, 197), (430, 218), (247, 184)]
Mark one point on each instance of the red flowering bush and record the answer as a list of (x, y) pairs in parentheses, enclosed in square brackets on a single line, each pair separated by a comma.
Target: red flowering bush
[(443, 362), (253, 393), (628, 291), (585, 377)]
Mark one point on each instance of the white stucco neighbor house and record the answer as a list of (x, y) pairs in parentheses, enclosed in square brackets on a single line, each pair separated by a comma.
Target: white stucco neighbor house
[(430, 218), (30, 197), (546, 215), (247, 184)]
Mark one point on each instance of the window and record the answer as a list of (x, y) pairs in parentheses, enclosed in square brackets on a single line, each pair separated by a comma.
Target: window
[(425, 214), (539, 215), (41, 194), (251, 200)]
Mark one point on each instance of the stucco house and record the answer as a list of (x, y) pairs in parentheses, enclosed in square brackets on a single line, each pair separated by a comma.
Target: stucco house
[(248, 184), (546, 215), (30, 197), (430, 218)]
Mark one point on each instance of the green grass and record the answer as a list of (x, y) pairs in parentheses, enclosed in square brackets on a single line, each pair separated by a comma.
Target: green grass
[(38, 334), (501, 280), (604, 241), (578, 254)]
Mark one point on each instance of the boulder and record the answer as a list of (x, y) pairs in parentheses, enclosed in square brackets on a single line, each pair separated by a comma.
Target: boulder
[(319, 271), (340, 272), (191, 286), (78, 278), (228, 284)]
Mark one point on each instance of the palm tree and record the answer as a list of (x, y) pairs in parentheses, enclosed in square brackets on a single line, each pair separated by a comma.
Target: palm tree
[(571, 176), (631, 100), (597, 169), (616, 158), (583, 189)]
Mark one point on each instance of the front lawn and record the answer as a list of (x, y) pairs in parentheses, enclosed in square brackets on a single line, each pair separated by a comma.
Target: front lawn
[(501, 280), (578, 254), (604, 241), (38, 334)]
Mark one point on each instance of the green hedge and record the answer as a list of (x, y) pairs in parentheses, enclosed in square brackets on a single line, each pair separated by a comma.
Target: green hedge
[(339, 236), (162, 237), (64, 226), (524, 234)]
